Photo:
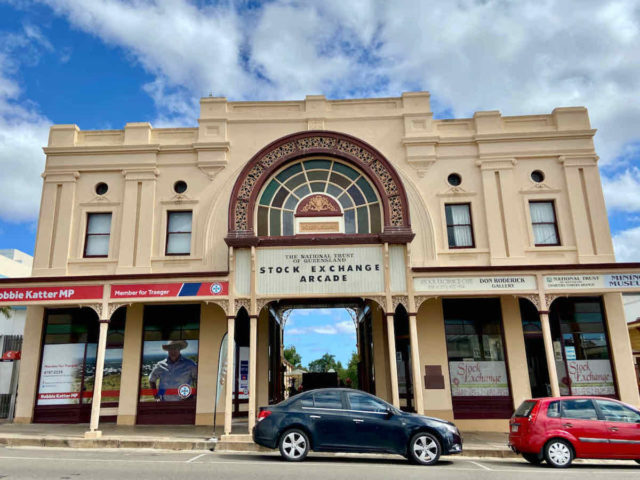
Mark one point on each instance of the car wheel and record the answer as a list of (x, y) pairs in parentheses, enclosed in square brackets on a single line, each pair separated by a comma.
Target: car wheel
[(424, 449), (294, 445), (532, 458), (558, 453)]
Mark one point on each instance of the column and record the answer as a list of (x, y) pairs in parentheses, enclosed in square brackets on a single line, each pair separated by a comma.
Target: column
[(29, 365), (97, 386), (253, 371), (393, 367), (515, 350), (415, 364), (548, 350), (231, 350), (131, 358)]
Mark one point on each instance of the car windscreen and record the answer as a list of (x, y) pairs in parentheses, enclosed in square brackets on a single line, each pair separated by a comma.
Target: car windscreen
[(524, 410)]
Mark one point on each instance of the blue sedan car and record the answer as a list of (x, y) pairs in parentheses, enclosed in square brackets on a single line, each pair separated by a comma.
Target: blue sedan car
[(345, 420)]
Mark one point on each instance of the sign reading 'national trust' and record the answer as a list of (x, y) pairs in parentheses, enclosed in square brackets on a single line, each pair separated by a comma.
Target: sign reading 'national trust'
[(613, 281), (346, 270)]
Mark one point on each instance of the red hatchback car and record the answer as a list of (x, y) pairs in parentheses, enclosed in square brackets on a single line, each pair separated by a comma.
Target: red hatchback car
[(560, 429)]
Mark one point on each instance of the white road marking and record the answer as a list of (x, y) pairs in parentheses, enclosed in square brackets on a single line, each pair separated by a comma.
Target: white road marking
[(481, 465), (196, 457)]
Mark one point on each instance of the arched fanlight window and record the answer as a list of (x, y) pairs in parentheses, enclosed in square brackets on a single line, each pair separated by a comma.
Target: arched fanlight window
[(279, 200)]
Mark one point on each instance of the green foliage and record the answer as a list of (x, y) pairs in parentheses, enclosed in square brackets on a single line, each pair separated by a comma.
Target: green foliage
[(6, 311), (324, 364), (347, 376), (292, 356)]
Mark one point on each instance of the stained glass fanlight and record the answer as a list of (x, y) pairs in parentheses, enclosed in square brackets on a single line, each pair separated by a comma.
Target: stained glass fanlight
[(360, 205)]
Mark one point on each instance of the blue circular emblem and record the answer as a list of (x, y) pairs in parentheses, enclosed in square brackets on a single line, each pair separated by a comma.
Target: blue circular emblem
[(216, 288), (184, 391)]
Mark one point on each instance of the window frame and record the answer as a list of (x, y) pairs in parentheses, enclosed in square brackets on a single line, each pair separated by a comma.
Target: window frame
[(168, 233), (87, 234), (470, 225), (555, 224)]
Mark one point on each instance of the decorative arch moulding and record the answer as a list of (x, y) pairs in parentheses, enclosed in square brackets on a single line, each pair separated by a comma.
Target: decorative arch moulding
[(264, 164)]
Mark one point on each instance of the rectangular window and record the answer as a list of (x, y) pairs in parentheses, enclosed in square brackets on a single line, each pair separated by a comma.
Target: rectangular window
[(98, 231), (179, 232), (459, 228), (477, 367), (543, 221)]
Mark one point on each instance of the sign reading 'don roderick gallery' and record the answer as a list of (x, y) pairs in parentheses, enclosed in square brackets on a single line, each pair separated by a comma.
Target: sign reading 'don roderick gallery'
[(475, 284), (588, 282), (320, 270)]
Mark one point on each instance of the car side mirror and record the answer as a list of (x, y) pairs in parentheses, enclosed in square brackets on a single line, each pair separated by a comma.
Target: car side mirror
[(389, 413)]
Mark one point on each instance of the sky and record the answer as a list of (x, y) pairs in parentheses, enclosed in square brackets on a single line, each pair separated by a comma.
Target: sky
[(316, 332), (103, 63)]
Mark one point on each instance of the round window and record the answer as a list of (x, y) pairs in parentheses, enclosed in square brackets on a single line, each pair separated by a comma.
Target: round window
[(102, 188), (180, 186), (454, 179), (537, 176)]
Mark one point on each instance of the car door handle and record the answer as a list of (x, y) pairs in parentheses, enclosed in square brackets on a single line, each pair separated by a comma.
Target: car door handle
[(358, 420), (613, 429), (567, 425), (315, 416)]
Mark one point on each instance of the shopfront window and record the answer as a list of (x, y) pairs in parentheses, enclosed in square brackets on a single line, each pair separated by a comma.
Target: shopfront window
[(581, 347), (68, 359), (170, 353), (477, 368)]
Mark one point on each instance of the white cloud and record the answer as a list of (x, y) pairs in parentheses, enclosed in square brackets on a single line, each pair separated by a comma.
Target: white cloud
[(622, 191), (346, 327), (324, 330), (519, 57), (627, 245), (23, 130)]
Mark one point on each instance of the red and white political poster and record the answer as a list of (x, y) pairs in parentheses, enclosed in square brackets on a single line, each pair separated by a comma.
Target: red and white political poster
[(61, 374)]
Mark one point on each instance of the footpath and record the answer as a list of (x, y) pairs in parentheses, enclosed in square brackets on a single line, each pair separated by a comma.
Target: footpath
[(187, 437)]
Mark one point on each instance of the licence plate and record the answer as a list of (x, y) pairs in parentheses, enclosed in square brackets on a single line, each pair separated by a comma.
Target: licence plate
[(514, 427)]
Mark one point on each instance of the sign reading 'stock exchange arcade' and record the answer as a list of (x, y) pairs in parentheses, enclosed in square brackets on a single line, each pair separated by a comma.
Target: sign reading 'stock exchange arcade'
[(347, 270)]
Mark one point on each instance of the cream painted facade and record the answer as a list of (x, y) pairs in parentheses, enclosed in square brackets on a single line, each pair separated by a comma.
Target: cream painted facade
[(407, 157)]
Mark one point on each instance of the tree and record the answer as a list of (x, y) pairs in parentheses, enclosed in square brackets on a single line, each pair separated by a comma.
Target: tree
[(293, 357), (351, 373), (324, 363), (6, 311)]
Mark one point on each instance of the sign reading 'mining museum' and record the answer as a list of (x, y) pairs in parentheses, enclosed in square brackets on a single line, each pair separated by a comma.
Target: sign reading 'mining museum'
[(346, 270)]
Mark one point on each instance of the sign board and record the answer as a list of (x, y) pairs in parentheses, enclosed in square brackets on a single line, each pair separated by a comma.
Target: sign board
[(150, 290), (61, 374), (570, 352), (34, 294), (613, 281), (478, 379), (475, 284), (343, 270), (591, 377), (243, 373)]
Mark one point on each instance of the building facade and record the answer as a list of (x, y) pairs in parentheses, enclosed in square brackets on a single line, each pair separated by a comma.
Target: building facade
[(474, 254)]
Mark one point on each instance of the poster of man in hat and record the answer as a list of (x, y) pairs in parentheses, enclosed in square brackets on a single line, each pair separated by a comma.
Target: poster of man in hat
[(174, 377)]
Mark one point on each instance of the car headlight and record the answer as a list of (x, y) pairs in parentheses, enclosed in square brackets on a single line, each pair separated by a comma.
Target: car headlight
[(452, 428)]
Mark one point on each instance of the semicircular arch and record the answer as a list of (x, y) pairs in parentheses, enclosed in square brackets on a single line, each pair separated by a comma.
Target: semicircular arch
[(262, 166)]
